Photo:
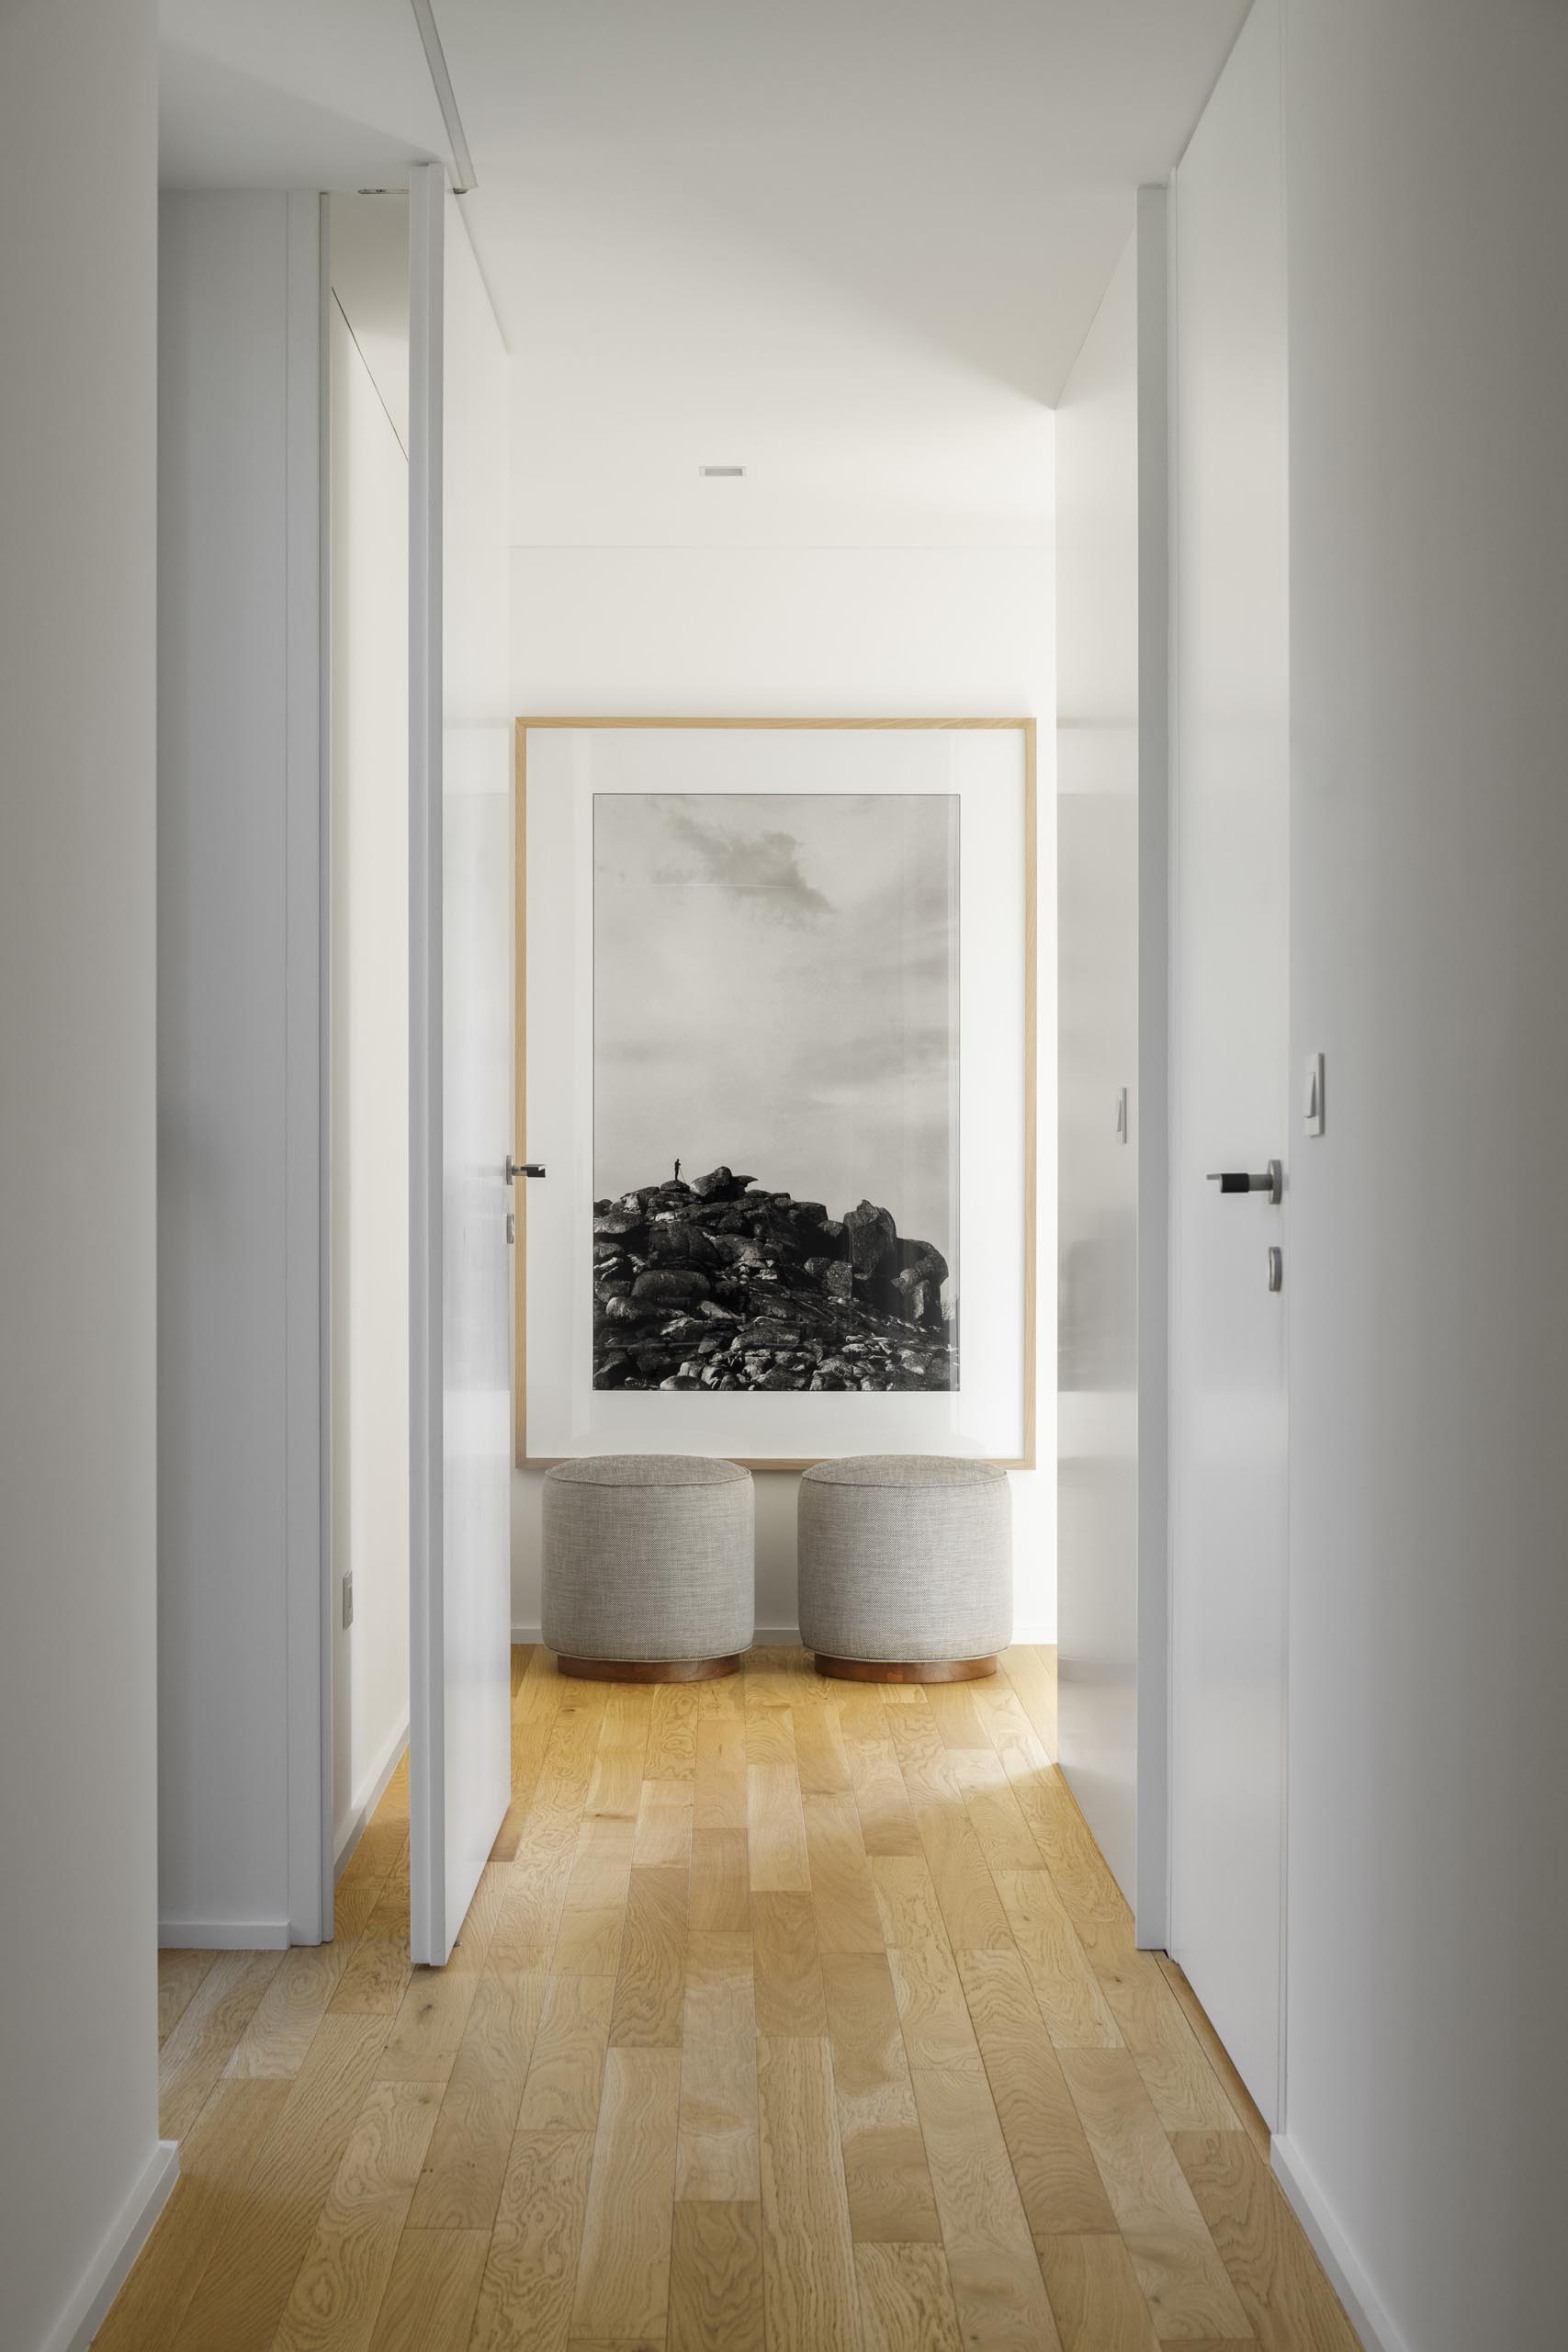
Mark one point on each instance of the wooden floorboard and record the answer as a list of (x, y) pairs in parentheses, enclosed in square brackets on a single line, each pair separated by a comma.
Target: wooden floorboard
[(623, 2277), (791, 2016), (716, 2278)]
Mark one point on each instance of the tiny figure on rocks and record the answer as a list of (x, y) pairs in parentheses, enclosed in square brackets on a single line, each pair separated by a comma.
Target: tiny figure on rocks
[(677, 1171)]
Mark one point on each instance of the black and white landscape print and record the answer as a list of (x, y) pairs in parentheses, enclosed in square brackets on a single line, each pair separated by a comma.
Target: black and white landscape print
[(775, 1088)]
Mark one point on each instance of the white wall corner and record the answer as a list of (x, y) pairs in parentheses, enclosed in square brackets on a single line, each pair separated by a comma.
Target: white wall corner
[(1345, 2270), (128, 2233)]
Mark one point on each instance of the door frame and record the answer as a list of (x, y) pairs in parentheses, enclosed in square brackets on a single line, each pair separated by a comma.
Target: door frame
[(308, 1567), (427, 194)]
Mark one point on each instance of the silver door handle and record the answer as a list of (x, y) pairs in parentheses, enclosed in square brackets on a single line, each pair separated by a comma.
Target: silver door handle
[(522, 1168), (1232, 1180)]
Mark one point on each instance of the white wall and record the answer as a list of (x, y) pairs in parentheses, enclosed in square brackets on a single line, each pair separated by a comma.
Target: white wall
[(851, 630), (238, 1060), (1427, 2066), (1112, 720), (79, 2156), (369, 497)]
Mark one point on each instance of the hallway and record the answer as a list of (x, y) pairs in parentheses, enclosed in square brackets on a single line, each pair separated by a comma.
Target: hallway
[(790, 2012)]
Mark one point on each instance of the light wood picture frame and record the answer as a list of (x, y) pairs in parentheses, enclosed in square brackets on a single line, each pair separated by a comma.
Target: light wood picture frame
[(1025, 728)]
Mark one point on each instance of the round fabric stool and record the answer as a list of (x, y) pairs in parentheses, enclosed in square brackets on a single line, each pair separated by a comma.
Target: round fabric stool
[(648, 1566), (905, 1567)]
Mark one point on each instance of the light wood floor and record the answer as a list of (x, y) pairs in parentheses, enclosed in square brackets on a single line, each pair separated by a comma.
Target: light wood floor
[(791, 2017)]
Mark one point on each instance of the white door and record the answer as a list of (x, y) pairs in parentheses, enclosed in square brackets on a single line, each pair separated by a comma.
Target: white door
[(1112, 627), (1229, 1068), (461, 1073)]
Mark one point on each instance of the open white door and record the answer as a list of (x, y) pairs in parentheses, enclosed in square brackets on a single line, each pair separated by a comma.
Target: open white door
[(1113, 618), (1230, 1031), (459, 1074)]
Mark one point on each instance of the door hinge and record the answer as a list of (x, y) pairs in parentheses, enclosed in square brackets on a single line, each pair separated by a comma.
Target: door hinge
[(348, 1601)]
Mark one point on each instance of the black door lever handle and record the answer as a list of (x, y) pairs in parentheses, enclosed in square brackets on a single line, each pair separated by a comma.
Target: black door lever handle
[(1237, 1180)]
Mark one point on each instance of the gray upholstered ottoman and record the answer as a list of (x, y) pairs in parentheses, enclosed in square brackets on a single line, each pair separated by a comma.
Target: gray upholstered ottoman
[(905, 1567), (648, 1566)]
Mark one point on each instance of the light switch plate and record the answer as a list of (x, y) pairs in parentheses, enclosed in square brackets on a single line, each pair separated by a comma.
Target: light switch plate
[(1312, 1105)]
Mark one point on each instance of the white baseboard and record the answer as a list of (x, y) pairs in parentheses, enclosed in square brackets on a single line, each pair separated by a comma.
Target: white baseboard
[(1346, 2271), (770, 1636), (788, 1636), (128, 2233), (370, 1795), (223, 1935)]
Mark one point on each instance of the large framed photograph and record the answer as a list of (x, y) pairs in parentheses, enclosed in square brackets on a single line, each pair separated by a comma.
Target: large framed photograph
[(775, 1055)]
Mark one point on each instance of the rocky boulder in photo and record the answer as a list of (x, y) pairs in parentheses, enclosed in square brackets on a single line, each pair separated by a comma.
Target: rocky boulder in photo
[(719, 1284)]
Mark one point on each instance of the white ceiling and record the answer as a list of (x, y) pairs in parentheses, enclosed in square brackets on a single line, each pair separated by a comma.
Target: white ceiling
[(293, 93), (851, 244)]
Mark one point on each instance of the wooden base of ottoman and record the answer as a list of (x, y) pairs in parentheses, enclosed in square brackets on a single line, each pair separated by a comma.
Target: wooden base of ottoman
[(876, 1669), (649, 1670)]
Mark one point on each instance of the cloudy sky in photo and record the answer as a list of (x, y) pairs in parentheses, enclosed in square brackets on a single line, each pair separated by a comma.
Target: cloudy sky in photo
[(776, 985)]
